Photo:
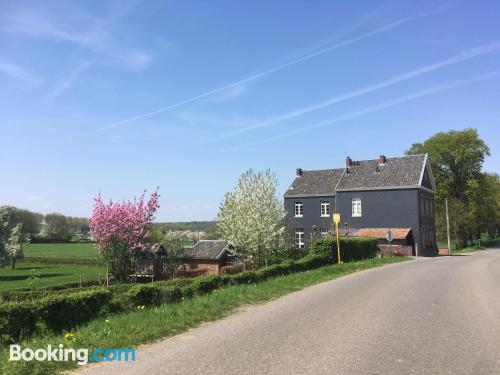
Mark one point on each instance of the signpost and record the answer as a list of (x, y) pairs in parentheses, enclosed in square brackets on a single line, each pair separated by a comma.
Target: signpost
[(336, 220), (389, 237)]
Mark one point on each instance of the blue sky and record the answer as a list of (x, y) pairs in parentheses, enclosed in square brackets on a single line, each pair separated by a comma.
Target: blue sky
[(123, 96)]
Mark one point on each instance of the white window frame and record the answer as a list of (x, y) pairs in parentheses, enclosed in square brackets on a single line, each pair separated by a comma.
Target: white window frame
[(356, 207), (325, 209), (324, 232), (299, 209), (299, 238)]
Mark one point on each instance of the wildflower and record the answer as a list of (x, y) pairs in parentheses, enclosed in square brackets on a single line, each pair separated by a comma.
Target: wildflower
[(140, 307), (69, 335), (106, 321)]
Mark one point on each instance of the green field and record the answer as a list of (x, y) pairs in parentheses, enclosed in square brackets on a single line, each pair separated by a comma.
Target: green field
[(61, 250), (49, 274)]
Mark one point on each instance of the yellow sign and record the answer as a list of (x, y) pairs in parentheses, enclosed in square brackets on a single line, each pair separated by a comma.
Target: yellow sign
[(336, 218)]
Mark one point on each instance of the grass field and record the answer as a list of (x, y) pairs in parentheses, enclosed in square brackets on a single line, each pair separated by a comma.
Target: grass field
[(49, 274), (133, 328), (61, 250)]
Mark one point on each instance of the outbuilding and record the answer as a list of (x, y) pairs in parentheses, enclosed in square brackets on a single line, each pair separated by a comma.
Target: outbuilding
[(206, 257)]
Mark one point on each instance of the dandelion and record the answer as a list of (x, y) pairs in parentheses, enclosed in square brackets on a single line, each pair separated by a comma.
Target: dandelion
[(140, 307), (69, 335), (107, 321)]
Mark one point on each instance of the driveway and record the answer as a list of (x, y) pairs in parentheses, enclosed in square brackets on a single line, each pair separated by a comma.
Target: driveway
[(427, 316)]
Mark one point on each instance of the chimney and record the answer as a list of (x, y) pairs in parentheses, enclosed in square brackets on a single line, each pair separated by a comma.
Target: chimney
[(299, 172), (348, 162), (381, 160)]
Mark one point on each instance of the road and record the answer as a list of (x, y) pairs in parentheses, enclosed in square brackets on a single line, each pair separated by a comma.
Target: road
[(427, 316)]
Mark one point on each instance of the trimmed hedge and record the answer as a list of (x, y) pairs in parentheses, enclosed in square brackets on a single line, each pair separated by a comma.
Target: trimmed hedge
[(62, 311), (351, 249), (56, 312)]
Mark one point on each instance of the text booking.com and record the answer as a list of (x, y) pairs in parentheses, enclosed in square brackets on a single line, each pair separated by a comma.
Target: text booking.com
[(61, 354)]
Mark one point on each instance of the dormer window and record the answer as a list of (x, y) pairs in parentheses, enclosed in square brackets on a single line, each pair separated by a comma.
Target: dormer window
[(299, 209)]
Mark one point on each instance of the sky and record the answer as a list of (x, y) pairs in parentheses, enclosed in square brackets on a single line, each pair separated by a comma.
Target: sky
[(122, 96)]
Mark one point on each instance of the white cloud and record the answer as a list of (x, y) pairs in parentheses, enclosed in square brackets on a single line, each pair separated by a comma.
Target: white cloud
[(17, 71)]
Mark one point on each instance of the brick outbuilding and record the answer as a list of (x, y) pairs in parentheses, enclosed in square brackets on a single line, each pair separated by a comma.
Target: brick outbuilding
[(207, 256)]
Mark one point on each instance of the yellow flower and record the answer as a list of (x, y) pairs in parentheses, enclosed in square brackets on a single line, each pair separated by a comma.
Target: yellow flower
[(106, 321), (140, 307), (69, 335)]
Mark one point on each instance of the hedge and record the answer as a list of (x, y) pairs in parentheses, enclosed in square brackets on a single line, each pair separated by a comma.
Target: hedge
[(56, 313), (64, 311), (351, 249)]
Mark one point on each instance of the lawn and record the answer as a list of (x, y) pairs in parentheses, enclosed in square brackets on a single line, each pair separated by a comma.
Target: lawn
[(49, 274), (133, 328), (61, 250)]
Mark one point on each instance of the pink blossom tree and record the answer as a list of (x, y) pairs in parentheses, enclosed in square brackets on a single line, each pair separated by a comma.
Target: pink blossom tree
[(121, 229)]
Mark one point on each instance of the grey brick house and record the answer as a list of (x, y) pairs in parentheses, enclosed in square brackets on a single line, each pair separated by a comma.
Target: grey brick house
[(380, 193)]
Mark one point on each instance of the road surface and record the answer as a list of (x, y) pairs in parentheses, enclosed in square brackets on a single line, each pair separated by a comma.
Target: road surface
[(427, 316)]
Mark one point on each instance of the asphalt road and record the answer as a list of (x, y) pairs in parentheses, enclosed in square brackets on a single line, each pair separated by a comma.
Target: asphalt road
[(427, 316)]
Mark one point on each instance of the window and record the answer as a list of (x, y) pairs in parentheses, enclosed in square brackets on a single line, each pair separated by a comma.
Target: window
[(299, 209), (324, 232), (356, 207), (299, 238), (325, 208)]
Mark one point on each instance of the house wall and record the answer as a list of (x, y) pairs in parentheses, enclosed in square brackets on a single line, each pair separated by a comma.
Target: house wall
[(212, 267), (312, 215)]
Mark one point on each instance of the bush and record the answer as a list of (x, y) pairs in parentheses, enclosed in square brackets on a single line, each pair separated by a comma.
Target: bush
[(231, 269), (350, 248), (152, 294), (17, 320)]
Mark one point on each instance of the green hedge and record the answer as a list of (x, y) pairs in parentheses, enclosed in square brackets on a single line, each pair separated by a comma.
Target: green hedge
[(351, 249), (65, 311), (56, 313)]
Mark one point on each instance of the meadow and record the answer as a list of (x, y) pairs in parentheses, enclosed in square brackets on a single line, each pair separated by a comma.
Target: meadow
[(61, 250)]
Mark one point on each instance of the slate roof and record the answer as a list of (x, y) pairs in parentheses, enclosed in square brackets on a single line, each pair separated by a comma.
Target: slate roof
[(320, 182), (156, 249), (399, 172), (206, 249)]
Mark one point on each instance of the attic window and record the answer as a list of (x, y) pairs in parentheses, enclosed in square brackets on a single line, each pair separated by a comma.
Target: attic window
[(299, 209)]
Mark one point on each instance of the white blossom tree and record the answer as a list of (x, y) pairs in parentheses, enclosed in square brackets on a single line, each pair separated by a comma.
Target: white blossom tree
[(251, 218), (15, 244)]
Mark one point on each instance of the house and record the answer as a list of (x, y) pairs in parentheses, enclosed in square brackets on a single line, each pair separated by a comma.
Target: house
[(206, 256), (379, 193), (149, 262)]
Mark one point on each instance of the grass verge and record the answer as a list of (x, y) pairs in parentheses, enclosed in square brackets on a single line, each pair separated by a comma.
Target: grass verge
[(133, 328), (467, 250)]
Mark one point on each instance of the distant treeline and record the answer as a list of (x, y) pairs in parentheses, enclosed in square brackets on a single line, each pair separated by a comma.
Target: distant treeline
[(207, 229), (52, 227)]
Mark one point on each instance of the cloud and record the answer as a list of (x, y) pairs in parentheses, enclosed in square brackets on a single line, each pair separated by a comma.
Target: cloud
[(265, 73), (18, 72), (382, 106), (463, 56)]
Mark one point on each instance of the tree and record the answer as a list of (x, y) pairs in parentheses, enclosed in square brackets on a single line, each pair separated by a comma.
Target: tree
[(15, 244), (457, 158), (57, 227), (7, 223), (121, 229), (174, 252), (251, 218)]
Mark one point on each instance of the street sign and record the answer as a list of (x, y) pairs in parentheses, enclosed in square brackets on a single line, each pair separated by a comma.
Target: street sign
[(336, 218), (389, 236)]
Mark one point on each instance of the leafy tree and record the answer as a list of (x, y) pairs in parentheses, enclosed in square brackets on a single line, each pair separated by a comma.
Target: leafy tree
[(7, 223), (121, 229), (457, 158), (251, 218), (15, 244), (175, 251), (57, 227)]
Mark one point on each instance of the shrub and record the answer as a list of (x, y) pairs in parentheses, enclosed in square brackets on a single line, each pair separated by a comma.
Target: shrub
[(153, 294), (17, 320), (350, 248), (67, 311), (231, 269)]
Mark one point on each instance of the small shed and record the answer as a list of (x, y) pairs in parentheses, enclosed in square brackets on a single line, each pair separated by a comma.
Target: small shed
[(402, 244), (206, 256), (149, 261)]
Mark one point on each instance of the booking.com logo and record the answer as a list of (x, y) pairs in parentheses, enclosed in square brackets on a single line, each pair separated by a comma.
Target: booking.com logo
[(62, 354)]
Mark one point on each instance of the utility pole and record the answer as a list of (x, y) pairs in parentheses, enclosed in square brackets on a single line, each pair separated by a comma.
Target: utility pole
[(448, 226)]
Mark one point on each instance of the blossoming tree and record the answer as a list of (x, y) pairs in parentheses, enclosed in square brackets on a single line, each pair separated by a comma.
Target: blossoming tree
[(121, 229), (251, 218)]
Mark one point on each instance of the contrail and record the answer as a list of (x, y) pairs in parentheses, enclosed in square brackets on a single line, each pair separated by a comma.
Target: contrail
[(384, 105), (267, 72), (463, 56)]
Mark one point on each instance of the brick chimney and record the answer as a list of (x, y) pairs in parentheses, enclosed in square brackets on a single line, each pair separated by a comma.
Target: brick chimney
[(381, 160), (299, 172), (348, 162)]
